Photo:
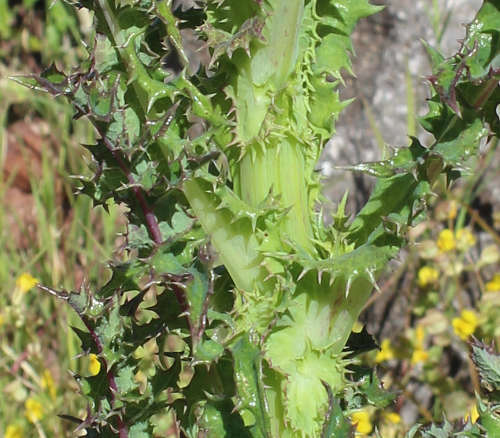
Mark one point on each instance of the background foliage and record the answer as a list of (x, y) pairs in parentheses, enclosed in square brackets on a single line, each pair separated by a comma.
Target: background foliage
[(450, 264)]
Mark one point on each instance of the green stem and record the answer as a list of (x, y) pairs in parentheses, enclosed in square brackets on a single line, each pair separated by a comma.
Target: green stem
[(275, 163), (235, 243), (147, 89), (280, 170)]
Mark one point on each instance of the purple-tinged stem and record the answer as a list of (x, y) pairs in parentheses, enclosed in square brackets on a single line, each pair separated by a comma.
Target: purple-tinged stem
[(151, 221), (122, 428)]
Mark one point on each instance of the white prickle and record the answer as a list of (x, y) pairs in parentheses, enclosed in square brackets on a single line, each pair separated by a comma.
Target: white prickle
[(348, 286), (373, 281)]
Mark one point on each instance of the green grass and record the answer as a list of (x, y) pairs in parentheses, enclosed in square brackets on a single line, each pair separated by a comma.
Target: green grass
[(35, 338), (37, 346)]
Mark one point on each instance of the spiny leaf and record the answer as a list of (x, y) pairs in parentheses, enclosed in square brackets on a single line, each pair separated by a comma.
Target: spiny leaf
[(488, 365), (336, 425), (249, 382)]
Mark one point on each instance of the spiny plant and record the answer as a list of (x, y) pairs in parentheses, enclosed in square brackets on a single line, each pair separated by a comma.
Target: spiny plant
[(232, 306)]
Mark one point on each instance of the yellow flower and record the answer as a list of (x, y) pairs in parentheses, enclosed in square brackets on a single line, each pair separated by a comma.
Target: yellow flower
[(94, 365), (452, 210), (494, 284), (33, 410), (48, 383), (2, 319), (427, 276), (419, 355), (420, 336), (473, 414), (465, 238), (446, 241), (13, 431), (386, 352), (392, 417), (361, 420), (466, 324), (25, 282)]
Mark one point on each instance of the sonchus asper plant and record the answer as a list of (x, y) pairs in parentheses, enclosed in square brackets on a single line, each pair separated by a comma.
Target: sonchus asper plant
[(232, 305)]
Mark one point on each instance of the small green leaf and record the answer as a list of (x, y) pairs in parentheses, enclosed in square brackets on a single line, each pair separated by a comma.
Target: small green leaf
[(126, 122), (208, 351), (125, 380), (138, 237), (124, 278), (488, 365), (87, 342), (181, 222), (489, 419), (336, 425), (139, 430), (145, 174), (249, 381), (111, 326), (370, 387)]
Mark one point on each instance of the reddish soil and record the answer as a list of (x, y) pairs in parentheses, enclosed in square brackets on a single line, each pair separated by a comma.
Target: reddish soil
[(22, 167)]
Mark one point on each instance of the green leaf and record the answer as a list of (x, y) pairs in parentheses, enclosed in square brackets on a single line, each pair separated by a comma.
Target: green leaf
[(124, 278), (125, 379), (95, 387), (394, 194), (125, 126), (443, 431), (372, 389), (87, 342), (139, 430), (336, 425), (208, 351), (138, 237), (211, 422), (145, 174), (306, 396), (488, 365), (167, 263), (489, 419), (249, 383), (105, 54), (181, 222), (414, 429)]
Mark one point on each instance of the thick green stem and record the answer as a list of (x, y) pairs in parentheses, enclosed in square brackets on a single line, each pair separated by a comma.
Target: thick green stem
[(234, 242), (277, 59), (280, 170), (273, 163)]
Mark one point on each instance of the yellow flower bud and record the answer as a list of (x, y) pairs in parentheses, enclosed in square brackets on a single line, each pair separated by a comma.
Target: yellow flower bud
[(386, 352), (14, 431), (48, 383), (494, 284), (361, 420), (473, 414), (419, 355), (446, 241), (466, 324), (94, 365), (33, 410), (25, 282), (427, 276), (392, 417)]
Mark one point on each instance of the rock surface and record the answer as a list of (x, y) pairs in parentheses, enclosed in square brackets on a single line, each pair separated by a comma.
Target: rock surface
[(389, 54), (390, 67)]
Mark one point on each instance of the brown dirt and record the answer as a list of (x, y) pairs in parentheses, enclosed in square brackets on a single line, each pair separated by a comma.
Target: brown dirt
[(27, 139)]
